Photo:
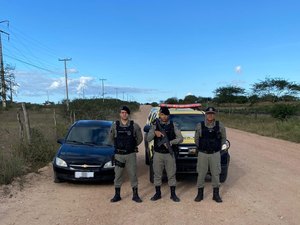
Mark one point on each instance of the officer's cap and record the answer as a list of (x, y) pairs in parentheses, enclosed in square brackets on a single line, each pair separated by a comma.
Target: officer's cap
[(210, 110), (164, 110), (125, 108)]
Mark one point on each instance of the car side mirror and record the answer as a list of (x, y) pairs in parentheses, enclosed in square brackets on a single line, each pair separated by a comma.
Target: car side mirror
[(147, 128), (61, 141)]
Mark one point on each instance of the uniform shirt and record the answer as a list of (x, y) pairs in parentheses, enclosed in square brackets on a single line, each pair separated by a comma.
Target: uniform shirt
[(137, 133), (176, 141), (198, 133)]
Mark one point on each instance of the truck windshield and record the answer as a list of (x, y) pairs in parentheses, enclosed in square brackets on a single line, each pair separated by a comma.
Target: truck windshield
[(187, 122)]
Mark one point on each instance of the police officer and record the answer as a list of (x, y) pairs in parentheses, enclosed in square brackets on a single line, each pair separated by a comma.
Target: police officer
[(210, 135), (163, 158), (126, 136)]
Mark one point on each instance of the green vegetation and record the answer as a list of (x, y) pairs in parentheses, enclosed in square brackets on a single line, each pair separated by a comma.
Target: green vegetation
[(99, 109)]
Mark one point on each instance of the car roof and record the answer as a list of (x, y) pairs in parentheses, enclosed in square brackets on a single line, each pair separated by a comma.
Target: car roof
[(92, 123)]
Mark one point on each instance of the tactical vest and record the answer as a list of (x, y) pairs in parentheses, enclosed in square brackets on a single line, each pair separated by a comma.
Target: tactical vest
[(169, 129), (211, 139), (125, 141)]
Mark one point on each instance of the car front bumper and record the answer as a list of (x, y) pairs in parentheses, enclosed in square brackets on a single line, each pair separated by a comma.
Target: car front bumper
[(94, 174)]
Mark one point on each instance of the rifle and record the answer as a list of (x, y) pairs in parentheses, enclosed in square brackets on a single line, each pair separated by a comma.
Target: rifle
[(165, 140)]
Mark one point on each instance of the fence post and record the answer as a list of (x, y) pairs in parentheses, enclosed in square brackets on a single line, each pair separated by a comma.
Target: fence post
[(27, 125), (21, 130)]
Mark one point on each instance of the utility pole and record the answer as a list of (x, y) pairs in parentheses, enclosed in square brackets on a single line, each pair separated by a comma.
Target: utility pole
[(66, 78), (3, 85), (102, 80)]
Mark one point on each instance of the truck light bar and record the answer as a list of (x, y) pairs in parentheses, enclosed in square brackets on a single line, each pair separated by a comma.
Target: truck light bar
[(195, 105)]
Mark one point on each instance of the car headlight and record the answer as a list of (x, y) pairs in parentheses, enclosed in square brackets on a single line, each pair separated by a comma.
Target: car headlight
[(109, 165), (60, 162)]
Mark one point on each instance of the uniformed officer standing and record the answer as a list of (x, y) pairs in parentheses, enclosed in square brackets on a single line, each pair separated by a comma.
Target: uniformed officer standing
[(163, 158), (210, 135), (126, 136)]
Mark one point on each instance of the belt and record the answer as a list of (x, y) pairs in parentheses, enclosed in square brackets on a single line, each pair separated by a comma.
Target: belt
[(162, 152), (123, 152), (208, 151)]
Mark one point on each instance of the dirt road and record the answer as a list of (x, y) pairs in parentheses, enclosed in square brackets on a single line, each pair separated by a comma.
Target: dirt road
[(263, 187)]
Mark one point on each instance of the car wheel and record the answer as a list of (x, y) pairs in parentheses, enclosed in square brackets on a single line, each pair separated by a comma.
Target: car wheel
[(56, 179)]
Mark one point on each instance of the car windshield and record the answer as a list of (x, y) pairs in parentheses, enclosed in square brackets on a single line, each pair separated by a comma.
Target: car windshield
[(89, 135), (187, 122)]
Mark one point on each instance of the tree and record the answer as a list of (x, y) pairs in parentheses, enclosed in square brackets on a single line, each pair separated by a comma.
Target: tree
[(10, 80), (190, 99), (229, 94), (275, 89), (172, 100), (10, 83)]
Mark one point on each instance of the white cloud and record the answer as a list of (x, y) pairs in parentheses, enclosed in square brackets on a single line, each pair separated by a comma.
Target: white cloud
[(56, 84), (35, 86), (72, 70), (83, 83), (238, 69)]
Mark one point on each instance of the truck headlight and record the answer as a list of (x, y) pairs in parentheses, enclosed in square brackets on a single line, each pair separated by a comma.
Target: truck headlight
[(60, 162)]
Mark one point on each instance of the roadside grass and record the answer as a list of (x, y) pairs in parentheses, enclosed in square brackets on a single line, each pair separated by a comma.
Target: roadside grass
[(264, 125), (11, 165), (17, 156)]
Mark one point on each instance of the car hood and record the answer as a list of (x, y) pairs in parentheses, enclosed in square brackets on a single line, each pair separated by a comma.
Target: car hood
[(85, 154)]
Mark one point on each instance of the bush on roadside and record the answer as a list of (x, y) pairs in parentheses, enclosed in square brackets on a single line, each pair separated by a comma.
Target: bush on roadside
[(11, 165), (283, 111), (39, 152)]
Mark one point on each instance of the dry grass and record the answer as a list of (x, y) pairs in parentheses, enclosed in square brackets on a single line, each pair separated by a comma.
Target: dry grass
[(264, 125), (18, 157)]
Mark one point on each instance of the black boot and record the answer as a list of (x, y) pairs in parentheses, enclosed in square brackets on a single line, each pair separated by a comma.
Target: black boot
[(157, 194), (135, 195), (117, 196), (173, 194), (199, 196), (216, 195)]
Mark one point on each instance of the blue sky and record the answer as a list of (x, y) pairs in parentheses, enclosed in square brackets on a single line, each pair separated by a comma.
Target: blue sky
[(148, 50)]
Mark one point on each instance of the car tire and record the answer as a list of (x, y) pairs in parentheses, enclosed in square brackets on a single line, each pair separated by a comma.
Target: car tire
[(56, 179)]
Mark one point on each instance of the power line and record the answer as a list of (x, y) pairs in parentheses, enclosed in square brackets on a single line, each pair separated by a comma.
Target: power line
[(30, 64)]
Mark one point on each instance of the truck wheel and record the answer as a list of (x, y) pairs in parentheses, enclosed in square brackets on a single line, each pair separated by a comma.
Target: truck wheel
[(147, 161), (223, 176)]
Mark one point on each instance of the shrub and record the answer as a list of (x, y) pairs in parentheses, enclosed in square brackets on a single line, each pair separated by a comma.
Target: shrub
[(37, 153), (11, 165), (283, 111)]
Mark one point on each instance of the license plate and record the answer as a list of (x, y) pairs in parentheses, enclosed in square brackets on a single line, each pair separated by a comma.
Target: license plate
[(84, 174)]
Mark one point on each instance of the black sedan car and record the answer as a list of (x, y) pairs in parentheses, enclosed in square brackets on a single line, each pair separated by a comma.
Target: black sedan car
[(85, 153)]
